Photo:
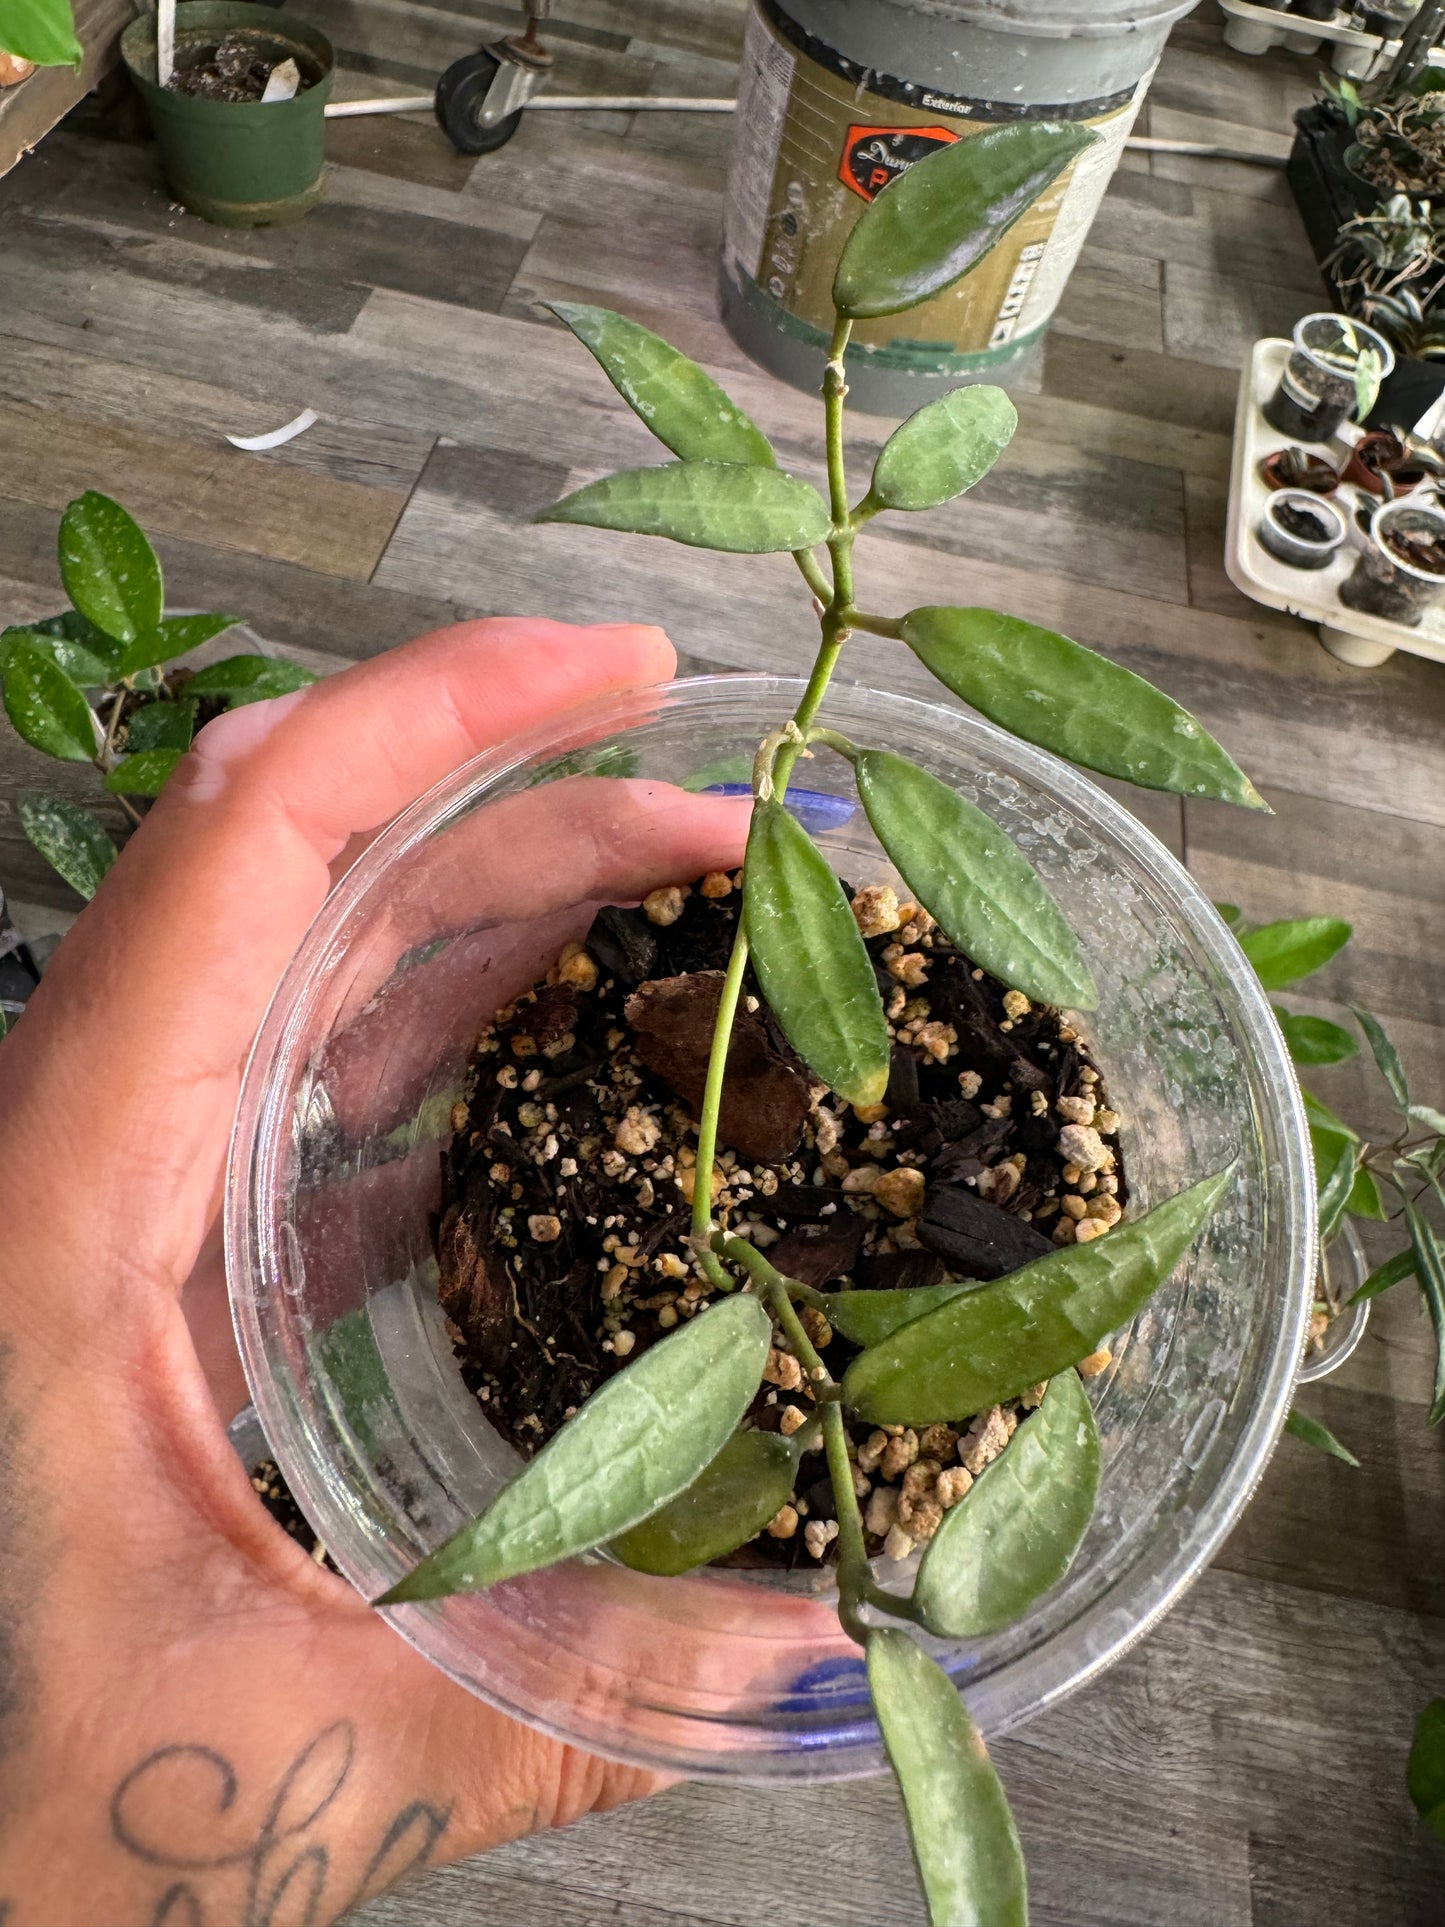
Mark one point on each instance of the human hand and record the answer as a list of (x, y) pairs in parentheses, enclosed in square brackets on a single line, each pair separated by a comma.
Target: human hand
[(197, 1724)]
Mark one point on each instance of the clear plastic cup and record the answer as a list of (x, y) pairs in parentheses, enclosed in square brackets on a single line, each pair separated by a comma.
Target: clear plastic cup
[(1314, 396), (334, 1180), (1382, 582)]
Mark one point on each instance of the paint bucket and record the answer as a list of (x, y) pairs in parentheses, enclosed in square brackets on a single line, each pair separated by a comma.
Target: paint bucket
[(837, 97)]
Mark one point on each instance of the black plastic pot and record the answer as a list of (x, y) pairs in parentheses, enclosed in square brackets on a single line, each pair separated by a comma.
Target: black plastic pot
[(1326, 191), (1314, 9)]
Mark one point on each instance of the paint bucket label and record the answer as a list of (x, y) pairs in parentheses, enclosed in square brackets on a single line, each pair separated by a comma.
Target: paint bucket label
[(817, 138)]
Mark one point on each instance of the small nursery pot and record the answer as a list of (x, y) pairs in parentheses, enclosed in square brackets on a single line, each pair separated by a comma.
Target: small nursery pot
[(463, 902), (1343, 1269), (1301, 529), (237, 163), (1376, 455), (1314, 9), (1313, 396), (1384, 582), (1297, 468)]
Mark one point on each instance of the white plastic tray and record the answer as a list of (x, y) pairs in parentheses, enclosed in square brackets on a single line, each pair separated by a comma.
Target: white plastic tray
[(1254, 30), (1314, 594)]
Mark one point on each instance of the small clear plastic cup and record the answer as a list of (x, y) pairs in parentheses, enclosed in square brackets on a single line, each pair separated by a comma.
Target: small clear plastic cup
[(1382, 582), (1315, 395), (334, 1183)]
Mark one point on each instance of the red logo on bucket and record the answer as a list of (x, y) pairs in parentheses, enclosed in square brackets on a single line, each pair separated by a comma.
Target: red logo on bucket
[(873, 156)]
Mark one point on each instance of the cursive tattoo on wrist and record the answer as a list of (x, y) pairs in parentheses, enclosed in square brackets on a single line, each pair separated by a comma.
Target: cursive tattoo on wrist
[(183, 1810)]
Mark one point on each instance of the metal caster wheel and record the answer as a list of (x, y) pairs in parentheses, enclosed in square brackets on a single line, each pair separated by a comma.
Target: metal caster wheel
[(460, 97)]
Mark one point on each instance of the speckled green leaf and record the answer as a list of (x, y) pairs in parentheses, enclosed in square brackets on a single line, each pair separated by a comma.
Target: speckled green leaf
[(680, 402), (249, 679), (42, 31), (145, 774), (965, 1844), (109, 569), (1016, 1533), (974, 880), (1315, 1040), (1425, 1774), (810, 960), (747, 1484), (637, 1443), (944, 449), (1075, 702), (1386, 1057), (76, 646), (70, 840), (993, 1343), (175, 636), (940, 218), (46, 707), (1284, 952), (744, 509), (1301, 1426), (161, 725), (866, 1317), (1430, 1270)]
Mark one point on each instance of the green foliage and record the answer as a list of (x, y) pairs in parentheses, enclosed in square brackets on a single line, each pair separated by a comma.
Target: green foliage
[(1301, 1426), (1392, 1272), (46, 707), (993, 1343), (812, 965), (868, 1317), (1364, 1200), (75, 646), (729, 1503), (1430, 1270), (69, 838), (1315, 1040), (249, 679), (173, 636), (1075, 702), (1425, 1774), (42, 31), (162, 725), (680, 402), (142, 775), (637, 1443), (709, 505), (1016, 1533), (937, 220), (1334, 1155), (965, 1844), (109, 569), (944, 449), (1387, 1058), (976, 883), (1432, 1119), (1284, 952)]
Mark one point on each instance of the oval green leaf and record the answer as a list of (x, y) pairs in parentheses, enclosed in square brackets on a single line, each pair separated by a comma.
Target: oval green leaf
[(637, 1443), (143, 775), (868, 1317), (109, 569), (940, 218), (1365, 1200), (1315, 1040), (175, 636), (75, 646), (1075, 702), (747, 1484), (1016, 1533), (1284, 952), (161, 725), (1425, 1774), (965, 1844), (1301, 1426), (944, 449), (680, 402), (709, 505), (46, 707), (993, 1343), (969, 875), (249, 679), (42, 31), (811, 963), (70, 840)]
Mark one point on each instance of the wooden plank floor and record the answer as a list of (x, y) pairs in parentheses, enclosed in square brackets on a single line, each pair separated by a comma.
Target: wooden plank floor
[(1243, 1767)]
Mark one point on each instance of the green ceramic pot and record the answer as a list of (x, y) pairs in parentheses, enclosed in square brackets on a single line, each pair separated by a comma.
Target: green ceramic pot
[(239, 164)]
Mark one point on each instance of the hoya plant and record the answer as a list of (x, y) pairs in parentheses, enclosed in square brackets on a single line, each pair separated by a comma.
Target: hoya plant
[(40, 31), (654, 1463), (1397, 1183), (104, 683)]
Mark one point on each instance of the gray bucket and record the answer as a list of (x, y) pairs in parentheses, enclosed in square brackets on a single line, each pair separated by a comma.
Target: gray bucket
[(838, 96)]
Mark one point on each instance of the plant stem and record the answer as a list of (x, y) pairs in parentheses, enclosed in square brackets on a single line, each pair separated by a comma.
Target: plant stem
[(813, 574), (722, 1031), (875, 625)]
